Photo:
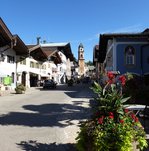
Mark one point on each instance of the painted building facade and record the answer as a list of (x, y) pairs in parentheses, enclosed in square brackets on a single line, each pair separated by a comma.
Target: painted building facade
[(125, 52)]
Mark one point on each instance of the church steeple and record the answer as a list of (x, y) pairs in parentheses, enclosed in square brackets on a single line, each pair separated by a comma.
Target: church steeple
[(80, 51), (81, 59)]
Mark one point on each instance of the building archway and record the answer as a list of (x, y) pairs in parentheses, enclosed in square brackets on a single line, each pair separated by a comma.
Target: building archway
[(23, 78)]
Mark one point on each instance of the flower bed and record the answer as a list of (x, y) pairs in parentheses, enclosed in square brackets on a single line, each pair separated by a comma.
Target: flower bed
[(112, 127)]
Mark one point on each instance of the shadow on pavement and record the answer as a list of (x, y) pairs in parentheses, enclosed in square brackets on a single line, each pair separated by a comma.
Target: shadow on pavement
[(53, 114), (36, 146), (62, 87), (47, 115), (76, 91)]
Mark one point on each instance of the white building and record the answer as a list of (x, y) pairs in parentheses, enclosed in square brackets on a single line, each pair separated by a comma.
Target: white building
[(11, 47), (64, 70), (21, 64)]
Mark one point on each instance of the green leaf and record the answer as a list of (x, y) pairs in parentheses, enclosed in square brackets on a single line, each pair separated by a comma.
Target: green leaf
[(113, 86), (96, 88), (125, 99), (120, 111), (103, 92)]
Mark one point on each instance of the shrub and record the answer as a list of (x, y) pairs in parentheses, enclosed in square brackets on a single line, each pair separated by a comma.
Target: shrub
[(20, 89)]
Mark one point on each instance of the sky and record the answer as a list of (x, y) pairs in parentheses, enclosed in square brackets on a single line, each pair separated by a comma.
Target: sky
[(74, 21)]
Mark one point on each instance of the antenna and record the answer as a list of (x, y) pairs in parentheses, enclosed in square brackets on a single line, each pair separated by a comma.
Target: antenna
[(38, 40)]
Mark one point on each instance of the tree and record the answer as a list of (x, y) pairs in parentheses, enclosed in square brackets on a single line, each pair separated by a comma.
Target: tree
[(89, 63)]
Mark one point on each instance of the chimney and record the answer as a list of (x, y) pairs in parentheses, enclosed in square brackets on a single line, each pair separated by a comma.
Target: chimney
[(38, 40)]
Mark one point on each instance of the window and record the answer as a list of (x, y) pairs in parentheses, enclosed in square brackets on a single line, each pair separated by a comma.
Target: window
[(32, 64), (37, 65), (22, 60), (130, 55), (12, 75), (43, 66), (10, 59)]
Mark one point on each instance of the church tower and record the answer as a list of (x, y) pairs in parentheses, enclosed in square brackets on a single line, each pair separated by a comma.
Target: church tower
[(81, 60)]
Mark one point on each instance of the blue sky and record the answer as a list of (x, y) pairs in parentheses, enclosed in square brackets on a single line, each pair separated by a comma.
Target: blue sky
[(74, 21)]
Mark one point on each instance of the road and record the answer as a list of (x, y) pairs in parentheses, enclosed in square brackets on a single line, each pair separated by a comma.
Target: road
[(43, 120)]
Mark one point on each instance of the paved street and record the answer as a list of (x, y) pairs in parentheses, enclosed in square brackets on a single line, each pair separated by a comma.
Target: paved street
[(43, 120)]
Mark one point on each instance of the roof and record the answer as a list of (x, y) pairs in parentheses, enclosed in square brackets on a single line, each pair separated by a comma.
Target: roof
[(44, 53), (52, 52), (5, 34), (81, 45), (19, 46), (13, 41), (54, 44), (105, 37), (37, 53), (64, 47)]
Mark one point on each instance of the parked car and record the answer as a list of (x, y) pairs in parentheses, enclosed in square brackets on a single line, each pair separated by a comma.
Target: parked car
[(49, 84)]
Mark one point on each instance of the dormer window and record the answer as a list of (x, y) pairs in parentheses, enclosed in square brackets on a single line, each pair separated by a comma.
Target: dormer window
[(129, 55)]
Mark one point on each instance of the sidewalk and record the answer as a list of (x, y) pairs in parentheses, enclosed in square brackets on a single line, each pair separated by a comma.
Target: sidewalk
[(12, 92), (28, 90)]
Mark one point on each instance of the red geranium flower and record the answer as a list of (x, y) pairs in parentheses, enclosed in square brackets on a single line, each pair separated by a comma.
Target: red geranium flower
[(126, 110), (132, 116), (111, 117), (122, 79), (121, 121), (111, 114), (110, 81), (136, 119), (100, 120), (110, 75)]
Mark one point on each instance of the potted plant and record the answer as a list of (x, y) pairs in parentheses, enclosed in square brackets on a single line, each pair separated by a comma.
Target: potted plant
[(112, 127), (20, 89)]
